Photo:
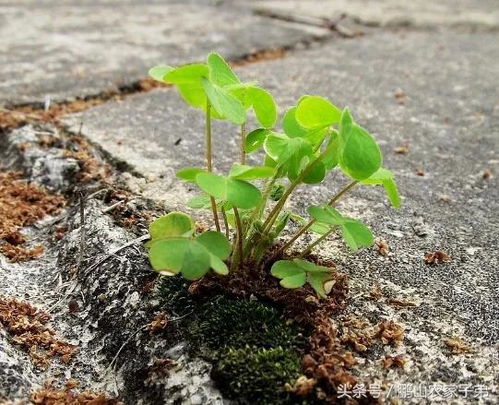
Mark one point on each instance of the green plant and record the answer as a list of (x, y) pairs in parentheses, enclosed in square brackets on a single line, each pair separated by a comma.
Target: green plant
[(316, 138)]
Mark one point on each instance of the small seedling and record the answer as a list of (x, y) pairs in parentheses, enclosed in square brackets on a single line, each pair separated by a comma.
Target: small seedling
[(316, 138)]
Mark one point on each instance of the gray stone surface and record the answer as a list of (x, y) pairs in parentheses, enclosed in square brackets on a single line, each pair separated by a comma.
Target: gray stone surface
[(63, 50), (481, 15), (435, 92)]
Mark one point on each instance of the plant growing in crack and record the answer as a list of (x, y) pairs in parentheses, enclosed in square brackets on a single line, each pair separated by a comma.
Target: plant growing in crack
[(316, 139)]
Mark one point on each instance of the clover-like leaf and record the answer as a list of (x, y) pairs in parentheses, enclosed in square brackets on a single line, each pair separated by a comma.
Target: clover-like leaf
[(239, 193), (167, 255), (264, 106), (196, 262), (224, 103), (360, 155), (294, 273), (316, 173), (322, 283), (331, 152), (199, 201), (316, 112), (385, 177), (216, 243), (326, 214), (356, 235), (255, 139), (189, 173), (172, 224), (158, 72), (290, 126), (244, 172), (317, 227), (190, 73), (220, 72)]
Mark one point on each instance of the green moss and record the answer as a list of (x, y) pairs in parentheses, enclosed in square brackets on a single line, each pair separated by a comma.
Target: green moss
[(238, 323), (174, 296), (257, 375), (253, 349)]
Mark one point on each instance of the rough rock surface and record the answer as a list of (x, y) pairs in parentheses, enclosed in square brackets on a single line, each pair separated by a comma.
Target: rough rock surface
[(100, 307)]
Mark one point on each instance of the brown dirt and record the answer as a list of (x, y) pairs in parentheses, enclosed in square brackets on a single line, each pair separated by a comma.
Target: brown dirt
[(22, 204), (27, 327)]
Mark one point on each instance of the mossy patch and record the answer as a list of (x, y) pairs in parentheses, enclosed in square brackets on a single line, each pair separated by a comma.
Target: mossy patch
[(254, 350)]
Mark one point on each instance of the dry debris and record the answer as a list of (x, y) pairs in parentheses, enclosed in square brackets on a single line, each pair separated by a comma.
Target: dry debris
[(382, 247), (487, 174), (160, 322), (403, 149), (22, 204), (49, 395), (28, 328), (436, 257), (389, 332), (302, 386), (394, 361), (457, 346), (399, 302), (420, 172)]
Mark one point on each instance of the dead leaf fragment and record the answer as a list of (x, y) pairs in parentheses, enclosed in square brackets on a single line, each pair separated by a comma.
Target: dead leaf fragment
[(436, 257), (394, 361), (382, 247), (457, 346)]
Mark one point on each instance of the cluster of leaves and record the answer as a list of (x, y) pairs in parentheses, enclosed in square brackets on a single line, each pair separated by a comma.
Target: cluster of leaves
[(316, 138)]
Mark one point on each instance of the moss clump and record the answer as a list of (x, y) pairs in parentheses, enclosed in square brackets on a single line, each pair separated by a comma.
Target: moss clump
[(238, 323), (174, 296), (257, 375)]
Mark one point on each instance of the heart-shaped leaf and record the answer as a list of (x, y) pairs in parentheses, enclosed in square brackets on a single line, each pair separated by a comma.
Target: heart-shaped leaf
[(197, 261), (360, 155), (321, 283), (199, 201), (316, 112), (167, 255), (244, 172), (190, 73), (224, 103), (216, 243), (316, 173), (239, 193), (290, 126), (356, 235), (255, 139), (172, 224), (264, 106), (220, 72), (189, 173), (158, 72), (385, 177)]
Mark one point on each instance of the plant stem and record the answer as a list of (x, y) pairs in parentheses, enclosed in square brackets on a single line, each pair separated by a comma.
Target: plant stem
[(226, 222), (243, 141), (208, 161), (309, 248), (239, 227), (306, 227)]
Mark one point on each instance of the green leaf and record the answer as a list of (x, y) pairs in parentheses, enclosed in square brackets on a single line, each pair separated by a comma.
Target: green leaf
[(190, 73), (295, 281), (326, 214), (385, 177), (189, 173), (255, 139), (330, 156), (316, 173), (173, 224), (197, 261), (243, 194), (286, 151), (216, 243), (310, 267), (218, 266), (360, 155), (346, 122), (316, 112), (220, 72), (237, 192), (244, 172), (199, 201), (291, 126), (159, 72), (321, 283), (225, 104), (392, 192), (167, 255), (213, 184), (264, 106), (356, 235)]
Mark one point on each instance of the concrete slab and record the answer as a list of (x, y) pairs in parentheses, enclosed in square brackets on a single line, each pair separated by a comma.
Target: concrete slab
[(74, 49), (482, 15), (434, 92)]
